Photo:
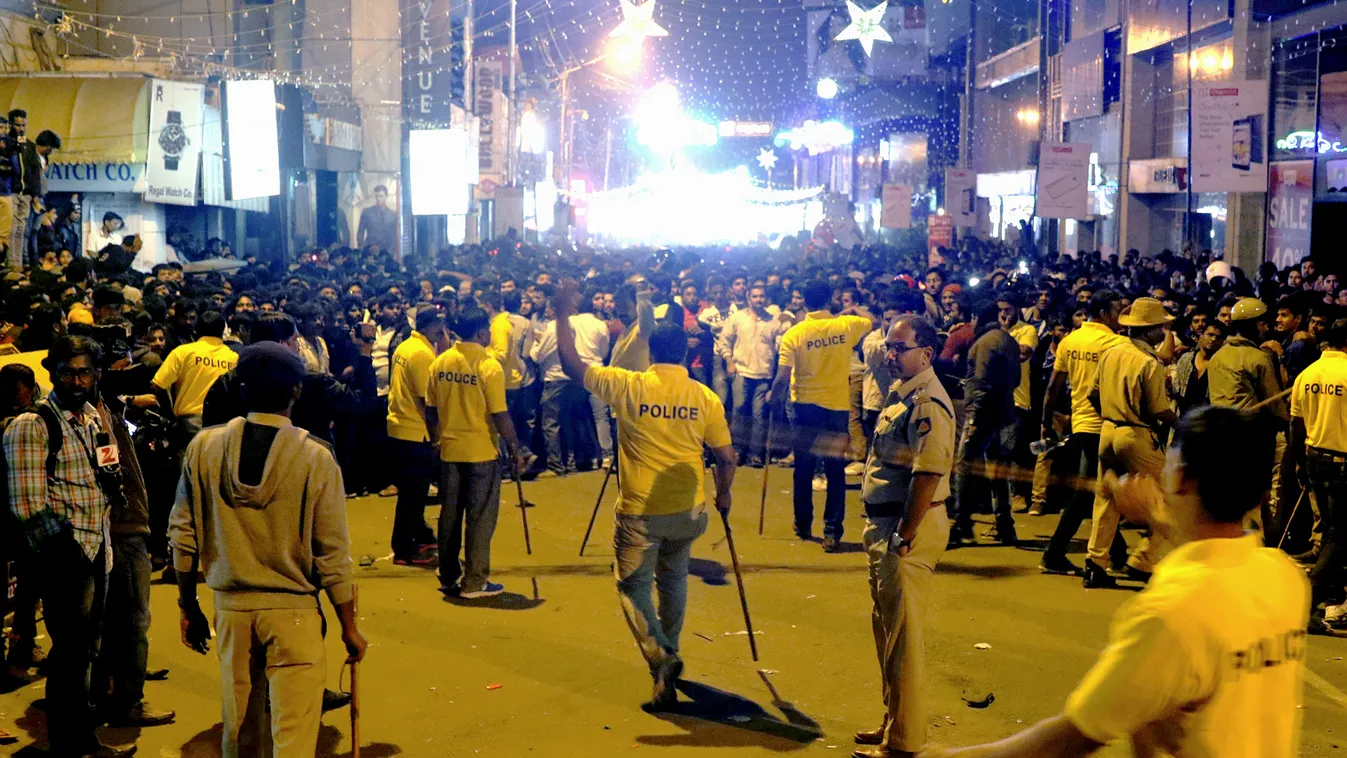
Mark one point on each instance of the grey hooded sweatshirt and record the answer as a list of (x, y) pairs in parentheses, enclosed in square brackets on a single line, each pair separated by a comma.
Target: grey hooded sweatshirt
[(272, 543)]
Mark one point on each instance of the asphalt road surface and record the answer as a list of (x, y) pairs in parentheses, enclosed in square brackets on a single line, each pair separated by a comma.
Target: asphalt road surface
[(550, 667)]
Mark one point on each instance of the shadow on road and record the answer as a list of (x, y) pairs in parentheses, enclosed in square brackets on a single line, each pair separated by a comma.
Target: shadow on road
[(710, 572), (506, 601), (207, 745), (715, 718), (984, 572)]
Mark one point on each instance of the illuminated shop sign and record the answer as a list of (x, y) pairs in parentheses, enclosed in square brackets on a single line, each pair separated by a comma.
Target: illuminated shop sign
[(1310, 141)]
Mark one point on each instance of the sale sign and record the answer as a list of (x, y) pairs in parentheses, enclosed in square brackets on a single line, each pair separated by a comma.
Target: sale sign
[(1289, 208)]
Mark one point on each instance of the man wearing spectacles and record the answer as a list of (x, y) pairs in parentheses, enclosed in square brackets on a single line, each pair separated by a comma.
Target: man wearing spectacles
[(63, 497), (904, 491)]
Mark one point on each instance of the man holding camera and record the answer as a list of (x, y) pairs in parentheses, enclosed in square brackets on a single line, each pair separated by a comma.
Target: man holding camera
[(65, 479)]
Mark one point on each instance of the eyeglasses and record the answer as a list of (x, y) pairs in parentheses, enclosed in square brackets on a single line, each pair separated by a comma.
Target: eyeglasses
[(899, 348), (65, 372)]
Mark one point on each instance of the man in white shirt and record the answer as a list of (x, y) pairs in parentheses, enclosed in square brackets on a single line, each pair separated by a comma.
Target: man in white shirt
[(748, 346), (715, 315), (566, 411), (591, 341)]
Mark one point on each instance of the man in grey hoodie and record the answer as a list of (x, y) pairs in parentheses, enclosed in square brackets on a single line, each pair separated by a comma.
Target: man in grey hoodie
[(261, 510)]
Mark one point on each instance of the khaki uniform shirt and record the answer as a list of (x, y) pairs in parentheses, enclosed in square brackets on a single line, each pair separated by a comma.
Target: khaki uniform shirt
[(1130, 385), (913, 435), (1241, 375)]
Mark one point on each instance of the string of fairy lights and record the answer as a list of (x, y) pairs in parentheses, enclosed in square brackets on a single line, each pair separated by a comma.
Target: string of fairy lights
[(731, 59)]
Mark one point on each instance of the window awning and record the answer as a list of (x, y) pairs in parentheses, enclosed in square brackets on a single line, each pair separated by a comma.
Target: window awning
[(99, 120)]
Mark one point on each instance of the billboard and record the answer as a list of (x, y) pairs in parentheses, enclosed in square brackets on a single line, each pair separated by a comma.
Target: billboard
[(175, 142), (251, 145)]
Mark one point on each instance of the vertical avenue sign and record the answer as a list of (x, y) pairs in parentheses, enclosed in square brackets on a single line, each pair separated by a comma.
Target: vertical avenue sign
[(427, 63)]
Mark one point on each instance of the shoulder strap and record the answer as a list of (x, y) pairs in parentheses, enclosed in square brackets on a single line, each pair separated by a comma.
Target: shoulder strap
[(55, 436)]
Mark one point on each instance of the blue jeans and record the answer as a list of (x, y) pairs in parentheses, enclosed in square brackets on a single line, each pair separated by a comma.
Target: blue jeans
[(750, 414), (820, 433), (125, 649), (654, 552), (720, 384), (74, 591)]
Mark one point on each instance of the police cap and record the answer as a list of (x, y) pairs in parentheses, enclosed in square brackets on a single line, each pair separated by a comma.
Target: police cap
[(1247, 308)]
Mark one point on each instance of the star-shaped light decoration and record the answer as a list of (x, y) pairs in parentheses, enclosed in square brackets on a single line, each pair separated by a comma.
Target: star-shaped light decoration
[(638, 22), (866, 27), (766, 158)]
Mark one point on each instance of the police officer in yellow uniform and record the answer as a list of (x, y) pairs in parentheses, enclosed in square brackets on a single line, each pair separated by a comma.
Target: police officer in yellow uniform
[(1077, 364), (466, 412), (815, 361), (1130, 395), (1209, 659), (904, 491), (505, 349), (189, 371), (1242, 375), (664, 418), (1319, 442), (409, 443)]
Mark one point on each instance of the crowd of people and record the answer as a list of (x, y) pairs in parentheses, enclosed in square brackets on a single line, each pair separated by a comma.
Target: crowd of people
[(996, 381)]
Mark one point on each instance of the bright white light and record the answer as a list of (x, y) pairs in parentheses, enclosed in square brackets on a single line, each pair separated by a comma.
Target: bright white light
[(818, 137), (624, 53), (532, 135), (973, 281), (1024, 267), (662, 127), (688, 207), (439, 176), (826, 88)]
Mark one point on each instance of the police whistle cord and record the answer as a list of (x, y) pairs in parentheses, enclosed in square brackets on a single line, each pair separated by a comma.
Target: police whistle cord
[(739, 579), (597, 502)]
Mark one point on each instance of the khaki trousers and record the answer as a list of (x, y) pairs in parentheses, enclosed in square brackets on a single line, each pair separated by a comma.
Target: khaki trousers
[(1126, 450), (901, 591), (274, 655)]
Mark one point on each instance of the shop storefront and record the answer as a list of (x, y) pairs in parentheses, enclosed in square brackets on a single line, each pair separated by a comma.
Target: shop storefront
[(1307, 185), (1005, 199)]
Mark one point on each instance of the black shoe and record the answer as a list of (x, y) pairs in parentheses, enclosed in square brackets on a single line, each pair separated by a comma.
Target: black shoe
[(871, 736), (99, 750), (804, 536), (141, 714), (1004, 534), (1118, 565), (832, 545), (666, 682), (1137, 575), (1097, 578), (156, 675), (1059, 564), (960, 538), (332, 700)]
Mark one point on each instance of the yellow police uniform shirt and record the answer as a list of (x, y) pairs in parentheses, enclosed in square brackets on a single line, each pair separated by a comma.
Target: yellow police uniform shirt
[(465, 386), (1078, 356), (818, 351), (1026, 336), (663, 418), (1320, 399), (502, 348), (407, 383), (1131, 385), (1208, 659), (190, 370)]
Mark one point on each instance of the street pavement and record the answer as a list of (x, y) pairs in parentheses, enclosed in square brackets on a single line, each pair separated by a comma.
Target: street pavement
[(550, 667)]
